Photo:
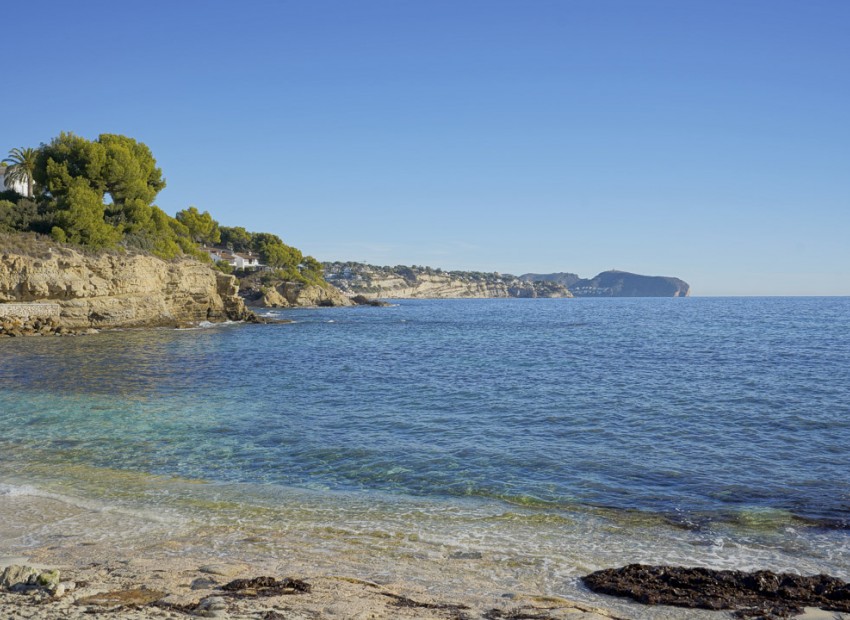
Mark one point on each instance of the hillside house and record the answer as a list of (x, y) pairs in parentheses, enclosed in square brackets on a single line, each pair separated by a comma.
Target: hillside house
[(237, 260)]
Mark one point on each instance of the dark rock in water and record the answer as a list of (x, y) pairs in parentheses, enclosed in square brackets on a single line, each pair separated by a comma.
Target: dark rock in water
[(362, 300), (762, 593)]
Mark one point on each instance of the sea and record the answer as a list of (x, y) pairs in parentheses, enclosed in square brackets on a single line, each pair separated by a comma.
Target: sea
[(516, 443)]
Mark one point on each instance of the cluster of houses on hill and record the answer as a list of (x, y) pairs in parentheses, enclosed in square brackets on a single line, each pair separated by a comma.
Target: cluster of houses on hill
[(237, 260)]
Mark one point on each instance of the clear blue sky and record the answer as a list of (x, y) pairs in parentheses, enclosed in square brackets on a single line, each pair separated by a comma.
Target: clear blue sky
[(706, 139)]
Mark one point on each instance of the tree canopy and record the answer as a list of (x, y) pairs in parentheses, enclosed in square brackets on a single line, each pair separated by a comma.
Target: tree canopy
[(202, 227), (100, 194)]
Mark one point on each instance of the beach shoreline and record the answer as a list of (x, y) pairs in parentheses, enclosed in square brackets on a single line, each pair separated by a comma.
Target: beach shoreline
[(108, 548), (115, 562)]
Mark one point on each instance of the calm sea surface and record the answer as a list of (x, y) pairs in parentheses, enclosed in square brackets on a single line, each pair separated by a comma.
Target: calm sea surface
[(701, 430)]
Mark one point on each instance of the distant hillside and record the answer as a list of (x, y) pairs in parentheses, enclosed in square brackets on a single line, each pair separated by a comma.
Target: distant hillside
[(562, 278), (425, 282), (624, 284), (401, 282)]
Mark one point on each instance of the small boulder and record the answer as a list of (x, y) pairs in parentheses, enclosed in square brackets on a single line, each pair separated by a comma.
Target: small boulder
[(204, 583), (15, 574), (211, 607), (48, 579)]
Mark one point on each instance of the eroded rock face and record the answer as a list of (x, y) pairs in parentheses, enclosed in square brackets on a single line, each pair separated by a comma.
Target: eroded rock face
[(760, 593), (295, 295), (121, 290)]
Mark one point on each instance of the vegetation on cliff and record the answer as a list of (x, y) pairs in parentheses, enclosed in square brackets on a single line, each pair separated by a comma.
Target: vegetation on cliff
[(99, 195)]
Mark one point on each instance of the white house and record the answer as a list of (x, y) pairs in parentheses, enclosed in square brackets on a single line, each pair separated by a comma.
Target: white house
[(246, 261), (18, 186), (237, 260)]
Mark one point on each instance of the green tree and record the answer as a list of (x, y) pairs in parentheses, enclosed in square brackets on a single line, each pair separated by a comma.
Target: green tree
[(202, 227), (22, 164), (100, 192), (69, 157), (275, 253), (130, 171), (81, 220), (236, 238), (312, 270), (131, 179)]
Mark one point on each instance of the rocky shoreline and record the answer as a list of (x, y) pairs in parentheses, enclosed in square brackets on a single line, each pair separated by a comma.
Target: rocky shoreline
[(107, 291), (181, 588), (15, 327)]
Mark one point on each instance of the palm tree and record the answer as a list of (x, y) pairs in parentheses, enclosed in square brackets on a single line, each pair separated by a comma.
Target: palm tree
[(21, 166)]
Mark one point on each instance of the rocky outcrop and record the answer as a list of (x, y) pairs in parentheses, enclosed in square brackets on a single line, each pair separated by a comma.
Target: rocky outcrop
[(120, 290), (28, 580), (11, 327), (762, 594), (292, 295), (362, 300)]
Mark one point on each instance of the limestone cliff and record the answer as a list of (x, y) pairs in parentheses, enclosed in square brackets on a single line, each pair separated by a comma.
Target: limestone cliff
[(119, 290)]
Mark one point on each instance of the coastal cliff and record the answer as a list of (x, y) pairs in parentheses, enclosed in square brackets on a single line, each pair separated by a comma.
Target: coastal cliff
[(118, 290), (424, 282)]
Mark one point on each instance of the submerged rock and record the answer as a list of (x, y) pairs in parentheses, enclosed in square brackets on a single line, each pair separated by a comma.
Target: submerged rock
[(761, 593), (362, 300)]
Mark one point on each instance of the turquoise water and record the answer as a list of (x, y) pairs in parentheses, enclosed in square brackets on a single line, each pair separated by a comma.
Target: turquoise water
[(716, 419)]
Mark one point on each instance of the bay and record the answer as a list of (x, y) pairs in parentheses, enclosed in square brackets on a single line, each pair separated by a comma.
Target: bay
[(703, 430)]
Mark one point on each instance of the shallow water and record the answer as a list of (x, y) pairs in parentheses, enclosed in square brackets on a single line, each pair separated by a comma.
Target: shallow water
[(552, 437)]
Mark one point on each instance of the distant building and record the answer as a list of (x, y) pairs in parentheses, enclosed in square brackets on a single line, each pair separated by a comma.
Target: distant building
[(5, 185), (237, 260)]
